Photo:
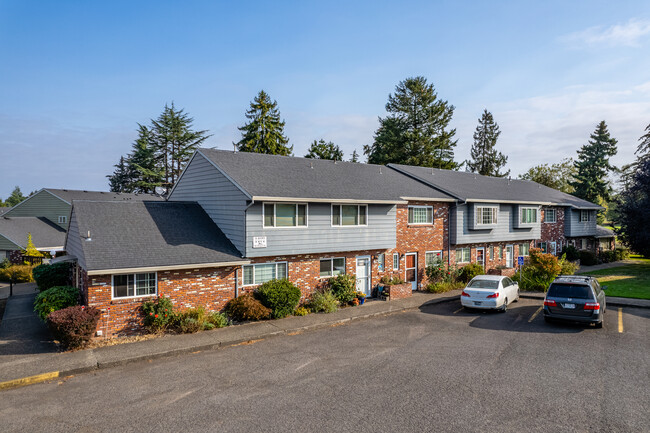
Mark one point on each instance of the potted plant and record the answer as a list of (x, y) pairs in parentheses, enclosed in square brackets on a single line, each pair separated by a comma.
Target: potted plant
[(361, 297)]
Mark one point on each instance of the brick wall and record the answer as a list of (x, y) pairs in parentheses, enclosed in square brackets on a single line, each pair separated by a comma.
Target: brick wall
[(553, 232), (494, 252)]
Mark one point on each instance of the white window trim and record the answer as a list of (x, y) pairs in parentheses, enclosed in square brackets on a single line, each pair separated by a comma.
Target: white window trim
[(275, 216), (432, 252), (588, 213), (331, 259), (396, 255), (341, 216), (521, 209), (554, 216), (528, 253), (420, 207), (479, 210), (470, 254), (135, 289), (259, 264), (63, 219)]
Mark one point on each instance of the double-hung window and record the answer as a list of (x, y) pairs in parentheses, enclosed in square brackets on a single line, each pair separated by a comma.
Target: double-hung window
[(285, 215), (332, 267), (420, 215), (528, 215), (550, 216), (585, 216), (63, 219), (133, 285), (486, 215), (349, 215), (263, 272), (432, 258), (543, 247), (523, 249), (463, 255)]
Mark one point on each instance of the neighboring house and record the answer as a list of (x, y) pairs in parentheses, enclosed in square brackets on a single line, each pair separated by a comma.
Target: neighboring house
[(606, 239), (55, 204), (46, 236), (129, 252)]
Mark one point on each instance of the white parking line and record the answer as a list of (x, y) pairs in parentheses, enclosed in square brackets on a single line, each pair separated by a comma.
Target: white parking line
[(535, 314), (620, 320)]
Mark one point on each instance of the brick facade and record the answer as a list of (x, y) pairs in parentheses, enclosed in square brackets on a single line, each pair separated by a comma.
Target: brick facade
[(553, 232), (494, 253)]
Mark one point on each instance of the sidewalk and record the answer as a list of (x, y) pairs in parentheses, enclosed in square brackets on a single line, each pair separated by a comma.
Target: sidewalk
[(23, 362)]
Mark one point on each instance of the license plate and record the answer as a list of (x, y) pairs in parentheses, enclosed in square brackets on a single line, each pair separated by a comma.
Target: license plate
[(477, 303), (569, 306)]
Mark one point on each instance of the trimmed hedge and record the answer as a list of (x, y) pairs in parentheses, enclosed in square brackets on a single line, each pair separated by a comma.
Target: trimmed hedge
[(74, 326), (588, 258), (281, 296), (55, 298), (48, 276), (246, 307)]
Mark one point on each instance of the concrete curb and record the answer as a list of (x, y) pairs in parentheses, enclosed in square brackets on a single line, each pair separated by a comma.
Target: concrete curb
[(100, 363)]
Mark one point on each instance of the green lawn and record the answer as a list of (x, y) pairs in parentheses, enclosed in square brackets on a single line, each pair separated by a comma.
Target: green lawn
[(628, 281)]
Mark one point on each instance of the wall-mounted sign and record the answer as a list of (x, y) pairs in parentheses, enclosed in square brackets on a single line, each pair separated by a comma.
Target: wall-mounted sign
[(259, 241)]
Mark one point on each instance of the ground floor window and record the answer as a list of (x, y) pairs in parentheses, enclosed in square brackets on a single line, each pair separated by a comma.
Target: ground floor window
[(542, 246), (463, 255), (332, 267), (603, 244), (132, 285), (523, 249), (261, 273), (381, 260), (396, 261), (432, 258)]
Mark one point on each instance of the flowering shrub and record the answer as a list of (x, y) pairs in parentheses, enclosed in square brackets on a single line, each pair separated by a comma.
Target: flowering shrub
[(55, 298), (440, 272), (73, 326), (158, 314)]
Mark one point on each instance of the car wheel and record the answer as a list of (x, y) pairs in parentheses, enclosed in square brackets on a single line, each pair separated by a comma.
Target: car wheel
[(504, 307), (599, 324)]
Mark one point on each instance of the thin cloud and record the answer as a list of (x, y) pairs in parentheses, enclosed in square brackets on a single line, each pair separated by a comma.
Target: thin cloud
[(628, 34)]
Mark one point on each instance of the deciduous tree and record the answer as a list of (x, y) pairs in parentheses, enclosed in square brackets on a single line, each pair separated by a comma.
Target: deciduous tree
[(15, 197), (557, 176)]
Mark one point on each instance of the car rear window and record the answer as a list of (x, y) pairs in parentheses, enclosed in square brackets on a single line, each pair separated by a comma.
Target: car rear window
[(576, 291), (483, 284)]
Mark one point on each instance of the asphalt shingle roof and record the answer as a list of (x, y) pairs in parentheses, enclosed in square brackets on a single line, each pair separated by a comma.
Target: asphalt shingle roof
[(45, 234), (263, 175), (75, 194), (475, 187), (604, 232), (149, 234)]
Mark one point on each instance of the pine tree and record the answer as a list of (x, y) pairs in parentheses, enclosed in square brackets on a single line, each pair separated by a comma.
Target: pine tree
[(486, 160), (146, 173), (634, 209), (264, 133), (592, 166), (322, 150), (415, 130), (643, 151), (15, 197), (557, 176), (174, 141), (121, 179), (355, 156)]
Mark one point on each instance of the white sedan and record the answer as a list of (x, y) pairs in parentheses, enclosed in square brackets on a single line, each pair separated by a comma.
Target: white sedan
[(490, 292)]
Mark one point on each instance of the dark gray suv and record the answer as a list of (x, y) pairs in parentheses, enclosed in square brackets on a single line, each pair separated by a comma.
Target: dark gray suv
[(575, 298)]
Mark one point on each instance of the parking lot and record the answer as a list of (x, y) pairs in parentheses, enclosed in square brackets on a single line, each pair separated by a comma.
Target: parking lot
[(437, 369)]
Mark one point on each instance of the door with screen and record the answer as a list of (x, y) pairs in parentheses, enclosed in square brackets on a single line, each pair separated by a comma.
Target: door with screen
[(412, 270)]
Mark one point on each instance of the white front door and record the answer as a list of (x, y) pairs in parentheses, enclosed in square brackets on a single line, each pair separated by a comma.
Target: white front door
[(509, 263), (412, 270), (363, 275)]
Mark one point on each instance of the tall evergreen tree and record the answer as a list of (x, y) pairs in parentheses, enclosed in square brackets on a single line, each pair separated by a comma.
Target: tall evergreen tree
[(634, 209), (643, 151), (145, 170), (355, 156), (592, 166), (322, 150), (174, 141), (15, 197), (415, 130), (486, 160), (557, 176), (121, 179), (264, 133)]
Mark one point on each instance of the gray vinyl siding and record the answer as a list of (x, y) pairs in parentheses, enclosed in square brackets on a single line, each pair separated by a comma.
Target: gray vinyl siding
[(6, 244), (319, 236), (42, 204), (460, 223), (573, 227), (202, 182), (73, 243)]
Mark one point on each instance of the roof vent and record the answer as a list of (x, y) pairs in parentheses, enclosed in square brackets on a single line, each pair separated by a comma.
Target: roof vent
[(234, 147), (88, 238), (379, 170), (311, 165)]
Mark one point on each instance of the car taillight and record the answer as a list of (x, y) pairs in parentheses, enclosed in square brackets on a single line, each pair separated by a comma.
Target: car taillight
[(464, 294), (592, 306), (550, 303), (493, 295)]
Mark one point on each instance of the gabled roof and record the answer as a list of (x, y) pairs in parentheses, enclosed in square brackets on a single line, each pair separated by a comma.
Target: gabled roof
[(474, 187), (69, 195), (149, 234), (273, 177), (45, 234), (4, 210)]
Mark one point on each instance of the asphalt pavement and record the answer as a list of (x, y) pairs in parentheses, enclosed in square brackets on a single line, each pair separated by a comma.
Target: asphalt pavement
[(438, 368)]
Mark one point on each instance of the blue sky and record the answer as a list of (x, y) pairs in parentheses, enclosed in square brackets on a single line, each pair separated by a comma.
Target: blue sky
[(77, 76)]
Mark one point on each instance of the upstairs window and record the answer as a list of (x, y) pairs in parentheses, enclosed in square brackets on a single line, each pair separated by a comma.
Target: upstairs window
[(349, 215), (285, 215), (420, 215), (63, 219), (585, 216), (332, 267), (550, 216), (528, 215), (486, 215)]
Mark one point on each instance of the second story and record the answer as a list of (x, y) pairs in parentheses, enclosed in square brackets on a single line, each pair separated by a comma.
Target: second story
[(270, 205)]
